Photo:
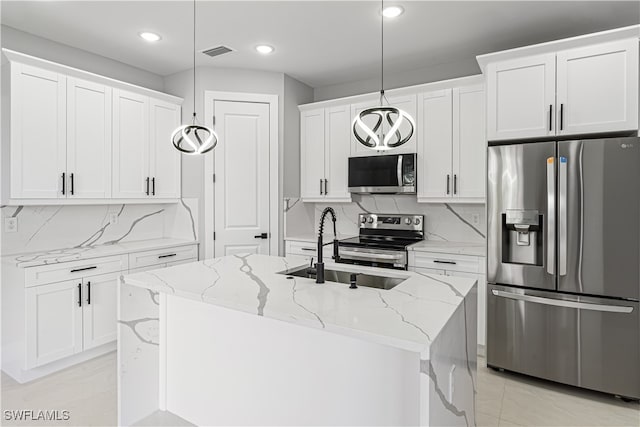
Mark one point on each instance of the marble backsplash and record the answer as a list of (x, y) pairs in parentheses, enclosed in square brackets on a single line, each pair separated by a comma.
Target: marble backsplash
[(44, 228), (443, 221)]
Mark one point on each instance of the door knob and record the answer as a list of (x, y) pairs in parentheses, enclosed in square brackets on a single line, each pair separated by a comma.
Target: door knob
[(262, 236)]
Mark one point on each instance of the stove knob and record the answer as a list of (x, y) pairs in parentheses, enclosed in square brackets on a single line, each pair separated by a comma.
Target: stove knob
[(407, 221), (370, 220), (417, 221), (364, 219)]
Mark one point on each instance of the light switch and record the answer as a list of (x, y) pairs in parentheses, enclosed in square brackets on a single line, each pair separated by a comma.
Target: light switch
[(10, 225)]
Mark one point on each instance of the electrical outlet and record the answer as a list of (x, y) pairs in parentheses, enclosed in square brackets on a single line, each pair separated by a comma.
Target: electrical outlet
[(113, 218), (475, 218), (10, 225)]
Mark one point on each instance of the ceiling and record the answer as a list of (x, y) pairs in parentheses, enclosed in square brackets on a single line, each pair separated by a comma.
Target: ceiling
[(320, 43)]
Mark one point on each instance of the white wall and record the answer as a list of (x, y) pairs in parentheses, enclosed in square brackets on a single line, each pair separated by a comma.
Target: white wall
[(445, 71), (64, 54)]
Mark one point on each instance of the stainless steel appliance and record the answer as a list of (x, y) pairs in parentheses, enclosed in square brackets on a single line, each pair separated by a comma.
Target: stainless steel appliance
[(564, 262), (390, 174), (382, 241)]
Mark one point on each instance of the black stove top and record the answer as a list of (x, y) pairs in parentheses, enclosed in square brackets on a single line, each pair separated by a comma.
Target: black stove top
[(381, 242)]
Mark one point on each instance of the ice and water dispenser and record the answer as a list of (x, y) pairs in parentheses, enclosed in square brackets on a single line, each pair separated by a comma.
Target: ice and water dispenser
[(522, 237)]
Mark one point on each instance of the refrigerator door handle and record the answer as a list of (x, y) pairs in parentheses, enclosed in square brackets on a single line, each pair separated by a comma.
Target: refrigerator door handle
[(564, 303), (551, 216), (562, 217)]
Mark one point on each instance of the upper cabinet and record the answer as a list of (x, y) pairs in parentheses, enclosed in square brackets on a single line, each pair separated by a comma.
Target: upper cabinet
[(79, 138), (408, 103), (582, 90), (324, 153), (452, 145)]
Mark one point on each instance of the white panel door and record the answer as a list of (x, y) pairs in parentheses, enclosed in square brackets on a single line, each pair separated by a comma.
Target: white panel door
[(312, 158), (38, 132), (469, 142), (521, 97), (336, 155), (53, 322), (598, 88), (131, 178), (99, 309), (88, 139), (165, 159), (241, 202), (435, 145)]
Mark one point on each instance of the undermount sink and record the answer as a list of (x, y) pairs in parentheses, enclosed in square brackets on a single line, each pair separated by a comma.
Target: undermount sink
[(338, 276)]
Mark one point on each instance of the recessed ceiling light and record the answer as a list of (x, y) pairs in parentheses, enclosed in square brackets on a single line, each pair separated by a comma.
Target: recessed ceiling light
[(264, 49), (392, 11), (150, 37)]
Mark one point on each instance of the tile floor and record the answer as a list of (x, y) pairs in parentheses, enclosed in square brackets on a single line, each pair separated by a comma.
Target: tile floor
[(88, 391)]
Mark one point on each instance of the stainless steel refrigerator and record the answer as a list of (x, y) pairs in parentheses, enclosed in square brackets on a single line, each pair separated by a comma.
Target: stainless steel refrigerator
[(563, 262)]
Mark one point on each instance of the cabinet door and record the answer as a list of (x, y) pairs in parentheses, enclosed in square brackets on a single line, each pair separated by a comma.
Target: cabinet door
[(130, 144), (165, 159), (99, 309), (469, 143), (88, 139), (598, 88), (53, 322), (337, 137), (435, 146), (312, 154), (38, 132), (482, 302), (521, 98), (357, 149)]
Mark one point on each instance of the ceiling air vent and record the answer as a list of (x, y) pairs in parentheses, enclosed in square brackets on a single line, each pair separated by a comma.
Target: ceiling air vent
[(217, 51)]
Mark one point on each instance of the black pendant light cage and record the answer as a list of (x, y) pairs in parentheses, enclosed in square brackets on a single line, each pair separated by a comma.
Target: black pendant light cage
[(384, 112), (195, 138)]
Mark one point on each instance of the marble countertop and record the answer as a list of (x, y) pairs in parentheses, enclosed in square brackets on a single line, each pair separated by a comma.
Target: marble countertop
[(408, 316), (87, 252), (458, 248)]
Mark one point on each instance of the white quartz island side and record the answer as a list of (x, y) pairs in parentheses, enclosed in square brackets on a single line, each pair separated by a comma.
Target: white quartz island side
[(231, 341)]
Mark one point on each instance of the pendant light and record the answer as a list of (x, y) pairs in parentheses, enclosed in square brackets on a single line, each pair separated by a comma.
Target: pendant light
[(194, 138), (395, 117)]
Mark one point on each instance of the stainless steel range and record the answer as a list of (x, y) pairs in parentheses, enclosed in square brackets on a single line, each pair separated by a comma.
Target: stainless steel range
[(382, 241)]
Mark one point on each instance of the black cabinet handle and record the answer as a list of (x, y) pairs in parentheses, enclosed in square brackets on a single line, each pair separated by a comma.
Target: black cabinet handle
[(153, 186), (71, 183), (437, 261), (64, 181), (262, 236), (448, 185), (325, 186), (321, 187), (561, 116), (550, 116), (455, 184), (308, 249), (147, 191), (166, 256), (75, 270), (89, 293), (79, 294)]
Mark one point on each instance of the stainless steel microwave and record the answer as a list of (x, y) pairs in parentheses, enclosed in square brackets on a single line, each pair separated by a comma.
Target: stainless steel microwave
[(390, 174)]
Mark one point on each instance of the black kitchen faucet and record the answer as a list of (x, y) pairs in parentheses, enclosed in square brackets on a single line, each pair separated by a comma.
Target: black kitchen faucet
[(320, 264)]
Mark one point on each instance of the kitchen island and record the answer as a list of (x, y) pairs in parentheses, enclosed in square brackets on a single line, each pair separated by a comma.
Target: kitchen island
[(233, 341)]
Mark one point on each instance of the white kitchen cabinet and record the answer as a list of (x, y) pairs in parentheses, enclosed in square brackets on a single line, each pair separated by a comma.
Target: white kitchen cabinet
[(38, 132), (452, 145), (99, 309), (435, 146), (88, 139), (164, 163), (407, 103), (130, 145), (53, 322), (324, 152), (521, 97), (308, 249), (598, 88)]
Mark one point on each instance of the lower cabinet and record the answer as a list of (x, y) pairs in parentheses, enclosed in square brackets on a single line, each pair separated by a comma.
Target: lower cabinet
[(68, 317), (307, 249)]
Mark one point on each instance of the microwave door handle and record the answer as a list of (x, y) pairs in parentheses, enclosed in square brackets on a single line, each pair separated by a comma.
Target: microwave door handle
[(399, 170), (551, 216)]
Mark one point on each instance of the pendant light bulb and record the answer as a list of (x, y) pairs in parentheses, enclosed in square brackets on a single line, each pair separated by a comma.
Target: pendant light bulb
[(399, 124), (194, 139)]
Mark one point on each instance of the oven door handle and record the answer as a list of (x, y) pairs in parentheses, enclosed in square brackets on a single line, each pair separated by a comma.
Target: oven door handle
[(369, 256)]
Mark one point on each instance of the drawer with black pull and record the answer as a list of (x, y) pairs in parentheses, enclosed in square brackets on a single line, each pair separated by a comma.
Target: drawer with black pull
[(160, 257), (449, 262), (52, 273)]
